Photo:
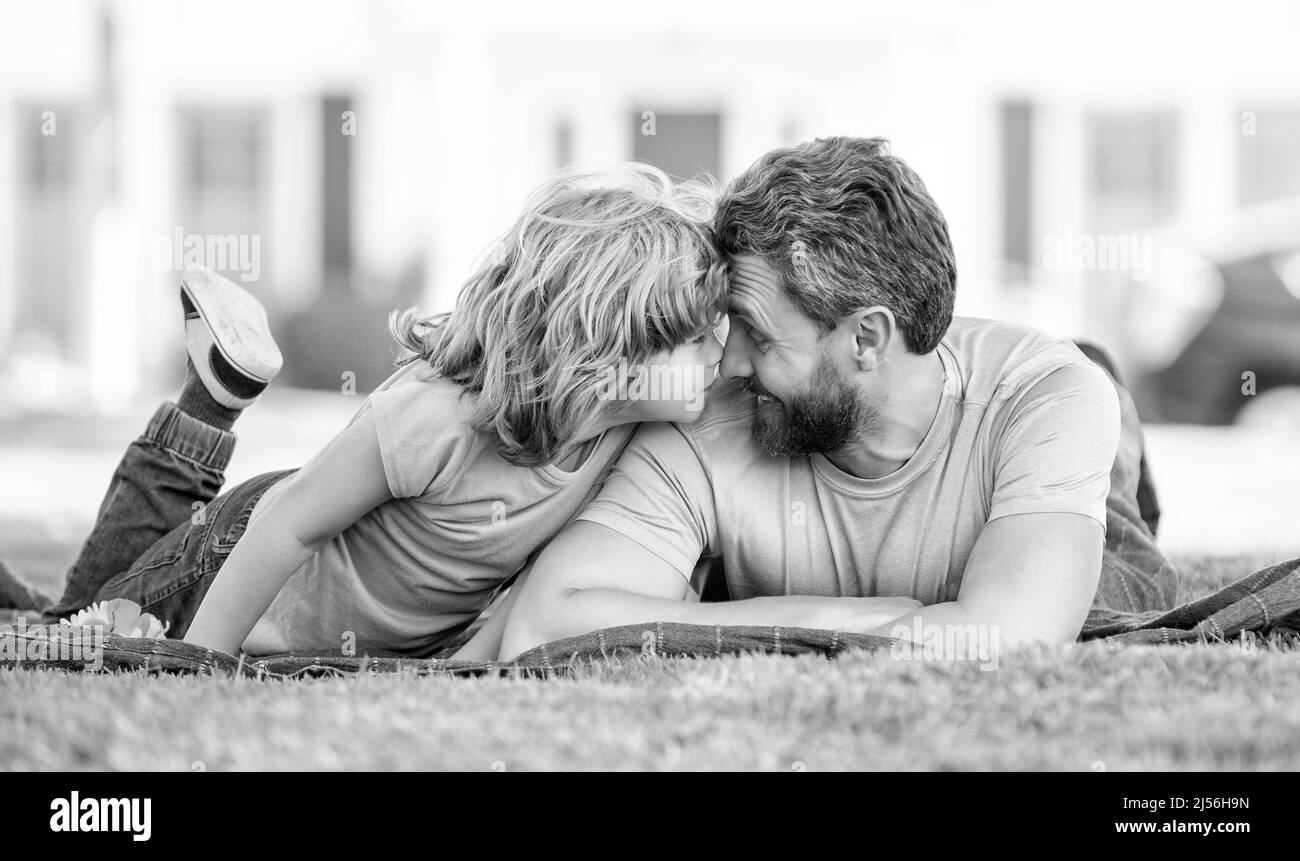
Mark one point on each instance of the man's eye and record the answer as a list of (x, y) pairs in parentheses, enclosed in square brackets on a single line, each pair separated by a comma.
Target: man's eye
[(700, 340)]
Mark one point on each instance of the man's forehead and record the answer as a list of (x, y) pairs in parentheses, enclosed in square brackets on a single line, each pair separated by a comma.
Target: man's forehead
[(758, 295), (754, 281)]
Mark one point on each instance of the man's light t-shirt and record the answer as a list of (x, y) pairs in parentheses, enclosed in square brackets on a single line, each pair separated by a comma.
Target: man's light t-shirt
[(1026, 424)]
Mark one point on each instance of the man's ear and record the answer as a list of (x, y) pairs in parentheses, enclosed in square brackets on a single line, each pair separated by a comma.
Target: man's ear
[(874, 330)]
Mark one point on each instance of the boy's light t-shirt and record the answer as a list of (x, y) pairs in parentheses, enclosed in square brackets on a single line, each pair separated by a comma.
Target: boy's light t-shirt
[(415, 570), (1026, 424)]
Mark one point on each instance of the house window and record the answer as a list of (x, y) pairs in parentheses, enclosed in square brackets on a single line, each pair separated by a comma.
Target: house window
[(336, 185), (1268, 156), (1132, 163), (50, 247), (1016, 123), (681, 144), (224, 184)]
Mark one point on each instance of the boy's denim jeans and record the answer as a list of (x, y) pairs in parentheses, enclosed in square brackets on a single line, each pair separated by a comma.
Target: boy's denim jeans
[(163, 531)]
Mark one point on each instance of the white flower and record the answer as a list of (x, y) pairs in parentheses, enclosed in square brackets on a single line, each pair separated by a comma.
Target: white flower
[(120, 616), (148, 627), (96, 614)]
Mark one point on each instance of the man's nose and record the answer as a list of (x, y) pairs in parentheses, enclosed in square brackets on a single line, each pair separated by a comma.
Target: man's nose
[(735, 363)]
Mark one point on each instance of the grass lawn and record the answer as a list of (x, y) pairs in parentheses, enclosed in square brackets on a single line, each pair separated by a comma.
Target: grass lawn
[(1084, 708)]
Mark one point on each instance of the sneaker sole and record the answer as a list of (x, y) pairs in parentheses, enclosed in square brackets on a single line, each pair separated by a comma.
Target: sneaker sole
[(238, 327)]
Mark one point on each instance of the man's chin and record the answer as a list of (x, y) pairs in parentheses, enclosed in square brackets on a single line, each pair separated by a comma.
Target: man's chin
[(771, 431), (779, 437), (770, 416)]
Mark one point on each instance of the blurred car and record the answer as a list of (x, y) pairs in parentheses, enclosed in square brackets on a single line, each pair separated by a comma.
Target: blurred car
[(1243, 364)]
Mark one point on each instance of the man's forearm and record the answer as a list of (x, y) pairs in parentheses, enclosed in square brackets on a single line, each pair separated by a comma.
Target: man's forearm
[(954, 617), (571, 612)]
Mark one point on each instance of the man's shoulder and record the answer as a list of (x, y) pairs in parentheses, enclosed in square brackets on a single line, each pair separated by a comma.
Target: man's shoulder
[(996, 358)]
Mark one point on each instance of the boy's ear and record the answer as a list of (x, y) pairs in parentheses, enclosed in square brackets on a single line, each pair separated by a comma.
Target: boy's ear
[(874, 330)]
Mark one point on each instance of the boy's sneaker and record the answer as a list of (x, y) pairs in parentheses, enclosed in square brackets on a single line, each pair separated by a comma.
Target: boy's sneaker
[(227, 338)]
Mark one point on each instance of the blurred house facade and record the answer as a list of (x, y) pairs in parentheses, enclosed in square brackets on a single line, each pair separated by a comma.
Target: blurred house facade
[(347, 149)]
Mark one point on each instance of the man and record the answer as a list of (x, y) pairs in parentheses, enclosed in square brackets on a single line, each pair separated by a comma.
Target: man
[(869, 459)]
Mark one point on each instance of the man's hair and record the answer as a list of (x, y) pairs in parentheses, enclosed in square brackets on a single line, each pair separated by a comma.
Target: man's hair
[(605, 264), (847, 226)]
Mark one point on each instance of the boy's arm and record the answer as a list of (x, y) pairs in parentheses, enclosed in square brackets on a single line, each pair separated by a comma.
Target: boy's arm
[(335, 489)]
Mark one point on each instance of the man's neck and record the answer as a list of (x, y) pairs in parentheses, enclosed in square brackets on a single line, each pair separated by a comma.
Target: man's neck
[(901, 421)]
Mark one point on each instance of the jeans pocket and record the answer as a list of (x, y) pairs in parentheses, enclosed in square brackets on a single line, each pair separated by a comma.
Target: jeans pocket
[(237, 506), (225, 537)]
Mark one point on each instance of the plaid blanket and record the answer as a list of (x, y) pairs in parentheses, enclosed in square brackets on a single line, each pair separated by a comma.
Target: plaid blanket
[(1135, 604)]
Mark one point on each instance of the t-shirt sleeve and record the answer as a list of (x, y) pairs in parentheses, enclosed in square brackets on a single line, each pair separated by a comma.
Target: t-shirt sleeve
[(659, 495), (1057, 448), (422, 435)]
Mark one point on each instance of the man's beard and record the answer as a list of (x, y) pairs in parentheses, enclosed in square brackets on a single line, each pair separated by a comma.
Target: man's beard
[(828, 417)]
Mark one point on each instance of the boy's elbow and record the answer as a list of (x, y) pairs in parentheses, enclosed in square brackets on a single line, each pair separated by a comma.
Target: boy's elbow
[(308, 541)]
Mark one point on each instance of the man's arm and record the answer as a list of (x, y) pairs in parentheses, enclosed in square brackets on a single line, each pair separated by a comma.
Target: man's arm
[(592, 577), (1030, 577), (1034, 569)]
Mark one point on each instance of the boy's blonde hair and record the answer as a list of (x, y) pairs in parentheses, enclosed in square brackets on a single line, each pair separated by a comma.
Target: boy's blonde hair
[(604, 264)]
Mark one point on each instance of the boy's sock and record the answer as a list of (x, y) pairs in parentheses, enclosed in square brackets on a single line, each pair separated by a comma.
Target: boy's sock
[(197, 402)]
